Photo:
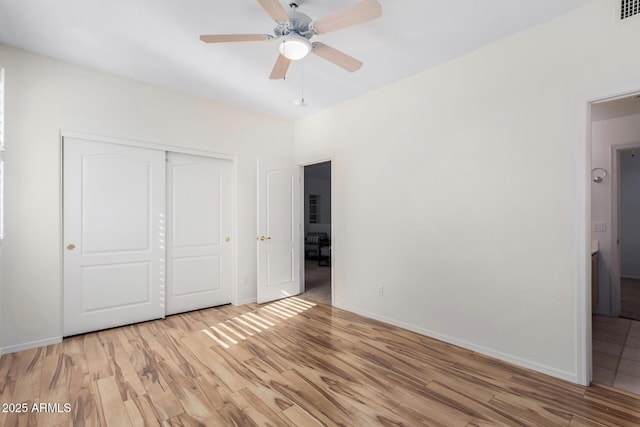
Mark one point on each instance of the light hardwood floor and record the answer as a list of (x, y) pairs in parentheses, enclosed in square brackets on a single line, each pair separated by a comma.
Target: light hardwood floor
[(291, 363)]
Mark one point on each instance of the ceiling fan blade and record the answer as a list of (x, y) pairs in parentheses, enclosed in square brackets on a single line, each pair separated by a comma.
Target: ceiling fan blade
[(275, 10), (356, 14), (280, 69), (341, 59), (225, 38)]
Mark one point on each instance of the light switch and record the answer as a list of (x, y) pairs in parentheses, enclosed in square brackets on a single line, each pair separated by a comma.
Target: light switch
[(600, 226)]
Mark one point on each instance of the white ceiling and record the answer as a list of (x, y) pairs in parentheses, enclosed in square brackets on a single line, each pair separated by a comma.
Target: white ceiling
[(156, 41)]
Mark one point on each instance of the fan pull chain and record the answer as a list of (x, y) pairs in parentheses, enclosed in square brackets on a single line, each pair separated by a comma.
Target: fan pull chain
[(299, 102)]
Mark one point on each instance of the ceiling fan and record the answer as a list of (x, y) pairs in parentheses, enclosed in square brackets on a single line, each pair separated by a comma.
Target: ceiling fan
[(295, 29)]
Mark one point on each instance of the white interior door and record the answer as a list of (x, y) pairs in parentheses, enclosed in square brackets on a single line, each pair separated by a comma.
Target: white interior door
[(199, 247), (114, 207), (278, 230)]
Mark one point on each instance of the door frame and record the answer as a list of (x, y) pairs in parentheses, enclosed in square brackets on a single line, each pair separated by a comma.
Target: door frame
[(333, 227), (582, 180), (160, 147)]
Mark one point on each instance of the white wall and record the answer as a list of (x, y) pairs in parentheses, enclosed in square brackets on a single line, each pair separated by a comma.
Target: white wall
[(619, 131), (44, 96), (630, 213), (478, 171)]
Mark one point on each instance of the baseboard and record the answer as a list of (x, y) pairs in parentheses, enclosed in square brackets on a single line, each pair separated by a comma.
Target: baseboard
[(29, 345), (547, 370)]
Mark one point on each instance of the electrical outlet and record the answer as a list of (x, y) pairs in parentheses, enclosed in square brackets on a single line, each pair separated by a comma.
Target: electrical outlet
[(600, 226), (244, 280), (380, 291)]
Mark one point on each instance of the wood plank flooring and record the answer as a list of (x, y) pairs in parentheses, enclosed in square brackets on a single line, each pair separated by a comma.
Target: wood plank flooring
[(294, 362)]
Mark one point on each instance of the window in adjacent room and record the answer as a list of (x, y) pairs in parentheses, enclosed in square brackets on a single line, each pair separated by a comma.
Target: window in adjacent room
[(314, 208)]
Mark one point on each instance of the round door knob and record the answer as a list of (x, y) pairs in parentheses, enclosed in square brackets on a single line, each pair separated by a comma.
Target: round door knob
[(71, 246)]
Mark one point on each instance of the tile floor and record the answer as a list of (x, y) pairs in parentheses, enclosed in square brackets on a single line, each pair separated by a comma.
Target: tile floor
[(630, 298), (616, 352)]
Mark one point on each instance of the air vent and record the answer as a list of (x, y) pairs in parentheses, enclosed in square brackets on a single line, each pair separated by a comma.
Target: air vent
[(629, 8)]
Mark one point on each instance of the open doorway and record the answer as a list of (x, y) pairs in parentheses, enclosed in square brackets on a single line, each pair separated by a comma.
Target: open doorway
[(615, 213), (629, 230), (318, 258)]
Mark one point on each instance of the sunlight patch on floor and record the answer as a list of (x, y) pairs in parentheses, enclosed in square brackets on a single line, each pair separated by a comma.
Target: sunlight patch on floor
[(240, 328)]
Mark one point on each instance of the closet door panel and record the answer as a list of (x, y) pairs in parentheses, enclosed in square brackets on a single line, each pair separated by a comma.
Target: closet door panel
[(199, 250), (114, 211)]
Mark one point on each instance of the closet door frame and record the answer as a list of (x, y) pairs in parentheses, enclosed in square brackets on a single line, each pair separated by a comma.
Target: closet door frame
[(160, 147)]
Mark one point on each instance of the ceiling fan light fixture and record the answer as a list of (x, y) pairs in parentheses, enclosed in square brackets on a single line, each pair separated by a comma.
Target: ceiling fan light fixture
[(294, 47)]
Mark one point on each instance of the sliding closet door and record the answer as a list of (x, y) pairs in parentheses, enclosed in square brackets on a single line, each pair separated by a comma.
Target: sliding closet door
[(199, 247), (114, 212)]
